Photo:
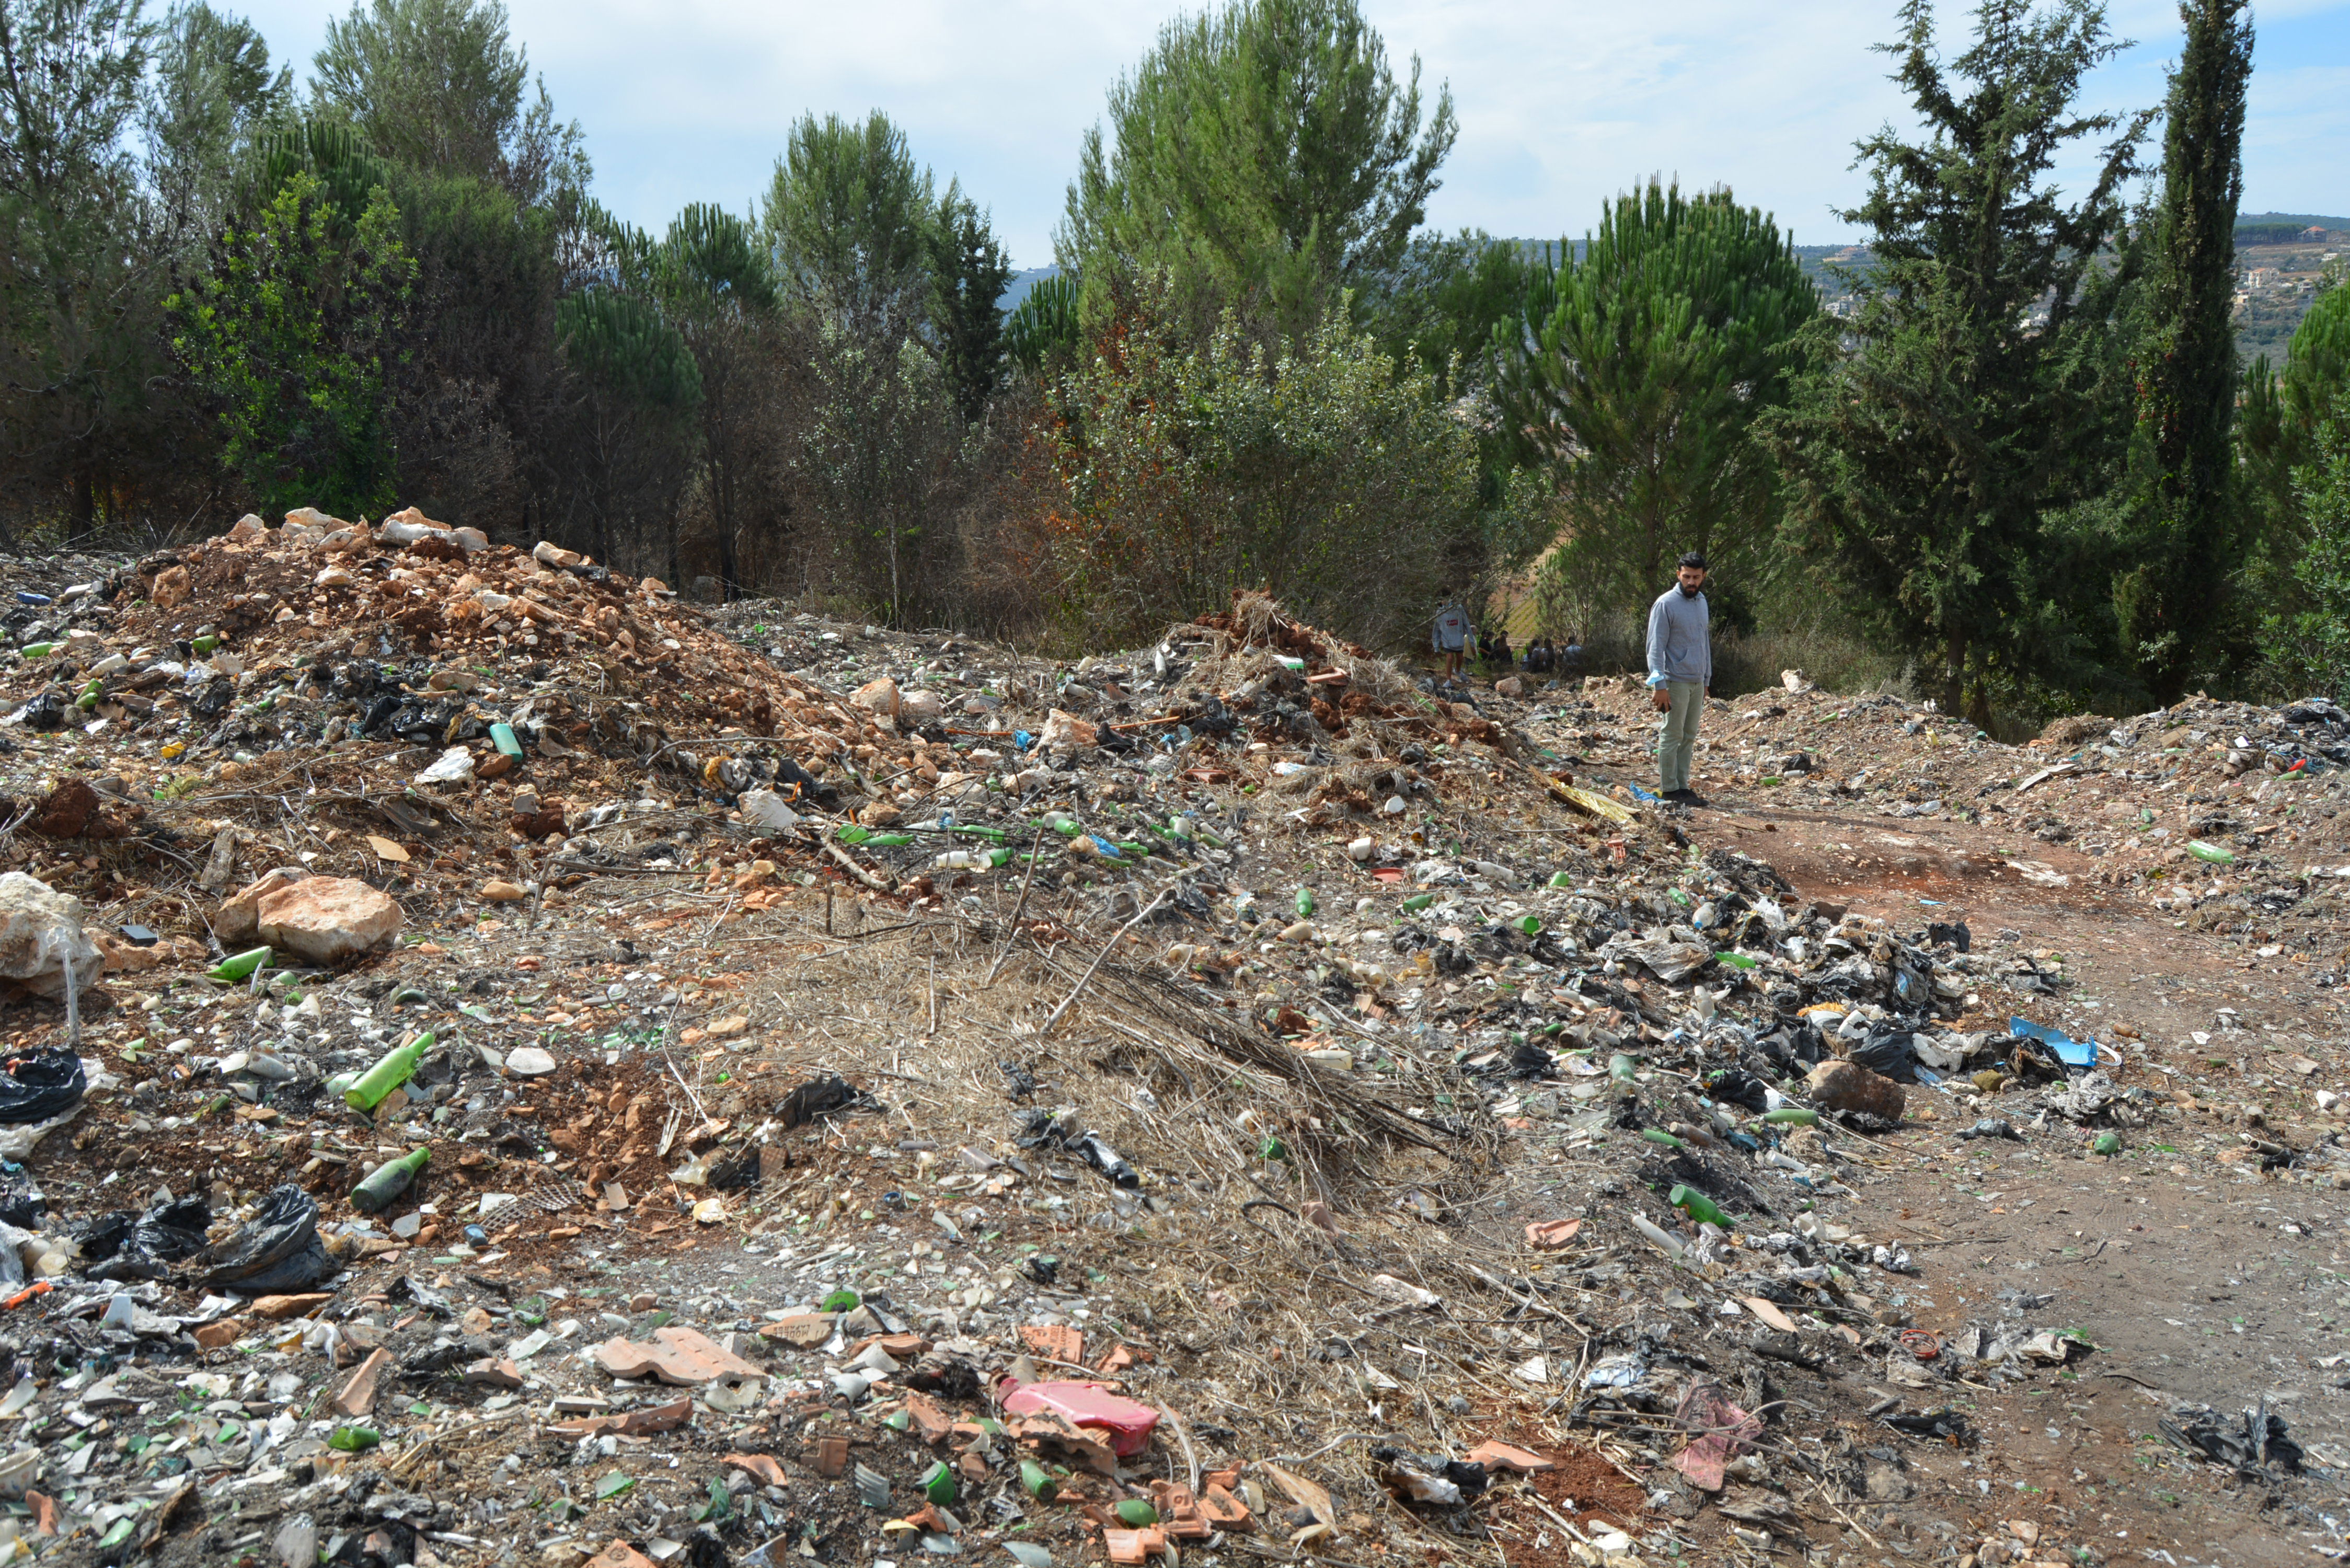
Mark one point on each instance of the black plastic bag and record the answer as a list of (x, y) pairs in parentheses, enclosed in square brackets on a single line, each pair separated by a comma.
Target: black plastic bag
[(1038, 1126), (1955, 933), (1739, 1087), (738, 1168), (2249, 1442), (101, 1238), (814, 1098), (278, 1252), (1887, 1055), (43, 1085), (1529, 1061), (162, 1237)]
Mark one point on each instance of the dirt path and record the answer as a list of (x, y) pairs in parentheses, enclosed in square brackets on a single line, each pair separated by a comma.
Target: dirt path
[(2198, 1281)]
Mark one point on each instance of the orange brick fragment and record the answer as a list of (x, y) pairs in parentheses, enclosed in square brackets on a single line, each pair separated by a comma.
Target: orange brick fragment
[(763, 1465), (935, 1423), (1495, 1456), (1058, 1340), (1222, 1509), (1134, 1545)]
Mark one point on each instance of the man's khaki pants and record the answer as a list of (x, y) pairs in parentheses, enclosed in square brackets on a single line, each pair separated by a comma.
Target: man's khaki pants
[(1676, 744)]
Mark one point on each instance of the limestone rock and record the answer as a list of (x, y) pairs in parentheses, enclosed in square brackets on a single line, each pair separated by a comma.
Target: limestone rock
[(877, 697), (1066, 731), (41, 933), (329, 920), (237, 922)]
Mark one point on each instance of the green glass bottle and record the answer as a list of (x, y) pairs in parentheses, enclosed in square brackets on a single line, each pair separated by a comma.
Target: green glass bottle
[(1700, 1207), (386, 1075), (389, 1181)]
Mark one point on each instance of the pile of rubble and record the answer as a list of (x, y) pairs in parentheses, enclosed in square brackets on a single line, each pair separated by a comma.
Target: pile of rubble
[(548, 1081)]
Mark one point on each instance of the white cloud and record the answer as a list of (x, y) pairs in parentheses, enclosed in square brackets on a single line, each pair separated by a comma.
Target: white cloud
[(1561, 104)]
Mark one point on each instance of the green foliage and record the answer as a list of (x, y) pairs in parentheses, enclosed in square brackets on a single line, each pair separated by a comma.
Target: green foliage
[(1634, 379), (1318, 470), (851, 219), (293, 332), (2184, 530), (77, 279), (1264, 156), (634, 429), (877, 456), (1946, 422), (1442, 299), (333, 157), (1043, 330), (711, 255), (211, 92), (619, 342), (438, 85), (2310, 644), (971, 270)]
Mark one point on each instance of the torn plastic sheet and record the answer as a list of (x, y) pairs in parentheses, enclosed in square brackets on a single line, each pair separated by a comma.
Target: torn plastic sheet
[(2071, 1052)]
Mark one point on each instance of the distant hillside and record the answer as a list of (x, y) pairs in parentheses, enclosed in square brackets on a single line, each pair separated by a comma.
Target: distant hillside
[(2298, 220), (1022, 282)]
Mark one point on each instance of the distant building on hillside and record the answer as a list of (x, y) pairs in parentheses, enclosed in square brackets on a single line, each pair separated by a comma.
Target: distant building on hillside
[(2315, 235)]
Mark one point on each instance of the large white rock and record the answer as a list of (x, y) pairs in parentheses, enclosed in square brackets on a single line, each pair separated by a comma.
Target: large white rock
[(40, 934), (920, 707), (237, 922), (879, 696), (329, 920)]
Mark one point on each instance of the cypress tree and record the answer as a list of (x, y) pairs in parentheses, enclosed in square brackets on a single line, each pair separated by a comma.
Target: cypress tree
[(2170, 603)]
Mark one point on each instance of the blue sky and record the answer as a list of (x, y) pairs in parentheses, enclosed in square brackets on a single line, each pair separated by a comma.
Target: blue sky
[(1561, 104)]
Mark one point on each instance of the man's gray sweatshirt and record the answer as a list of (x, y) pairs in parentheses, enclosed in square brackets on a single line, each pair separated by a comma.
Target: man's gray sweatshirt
[(1679, 648)]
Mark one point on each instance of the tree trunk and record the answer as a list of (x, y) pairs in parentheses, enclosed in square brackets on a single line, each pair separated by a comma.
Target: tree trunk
[(1954, 674)]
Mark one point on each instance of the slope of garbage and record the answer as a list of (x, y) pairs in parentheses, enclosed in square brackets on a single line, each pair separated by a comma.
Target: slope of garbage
[(506, 1066)]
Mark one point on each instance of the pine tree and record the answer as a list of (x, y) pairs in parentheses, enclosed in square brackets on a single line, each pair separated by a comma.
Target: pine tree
[(1264, 156), (1943, 423), (1636, 376), (2187, 530)]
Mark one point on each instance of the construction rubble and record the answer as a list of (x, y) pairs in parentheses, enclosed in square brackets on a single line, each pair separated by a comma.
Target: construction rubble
[(506, 1066)]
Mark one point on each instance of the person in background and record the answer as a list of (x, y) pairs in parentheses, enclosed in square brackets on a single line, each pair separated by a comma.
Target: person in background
[(1451, 636), (1497, 650), (1680, 673)]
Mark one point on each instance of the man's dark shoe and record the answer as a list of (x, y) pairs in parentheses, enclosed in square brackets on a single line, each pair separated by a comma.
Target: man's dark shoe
[(1684, 798)]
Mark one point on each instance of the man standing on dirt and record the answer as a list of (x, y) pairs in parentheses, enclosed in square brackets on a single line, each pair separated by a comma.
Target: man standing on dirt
[(1680, 673), (1450, 637)]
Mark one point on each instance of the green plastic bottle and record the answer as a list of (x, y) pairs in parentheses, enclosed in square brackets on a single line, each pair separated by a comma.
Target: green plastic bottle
[(389, 1181), (852, 833), (1419, 901), (1795, 1116), (1305, 902), (1700, 1207), (386, 1075), (239, 966)]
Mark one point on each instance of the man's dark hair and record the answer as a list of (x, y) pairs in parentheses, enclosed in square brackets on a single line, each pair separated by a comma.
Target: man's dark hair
[(1693, 559)]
